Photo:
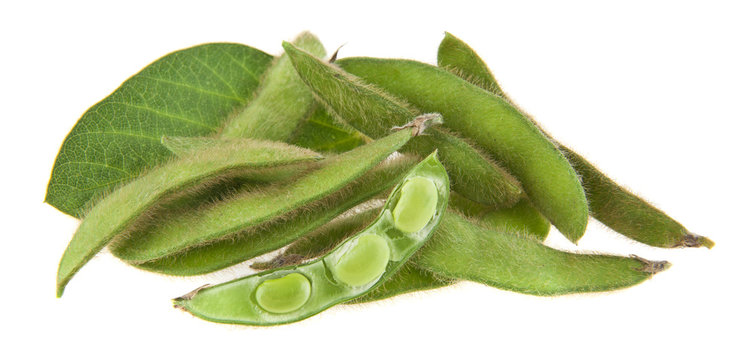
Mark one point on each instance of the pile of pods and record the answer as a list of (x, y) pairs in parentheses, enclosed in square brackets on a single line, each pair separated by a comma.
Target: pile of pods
[(369, 178)]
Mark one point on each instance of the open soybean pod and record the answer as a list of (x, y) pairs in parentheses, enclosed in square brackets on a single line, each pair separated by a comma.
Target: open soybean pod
[(276, 234), (281, 103), (610, 203), (494, 124), (362, 262), (117, 211), (374, 112), (253, 208), (521, 219), (408, 278)]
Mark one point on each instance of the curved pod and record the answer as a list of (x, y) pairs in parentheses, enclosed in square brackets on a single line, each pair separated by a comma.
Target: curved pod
[(235, 301), (494, 124), (374, 112), (111, 216), (609, 203)]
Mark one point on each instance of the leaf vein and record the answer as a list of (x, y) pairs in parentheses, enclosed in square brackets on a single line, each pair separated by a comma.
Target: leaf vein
[(223, 80), (192, 87), (161, 113)]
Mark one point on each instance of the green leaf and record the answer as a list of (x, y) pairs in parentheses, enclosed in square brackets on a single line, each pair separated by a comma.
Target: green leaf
[(186, 93)]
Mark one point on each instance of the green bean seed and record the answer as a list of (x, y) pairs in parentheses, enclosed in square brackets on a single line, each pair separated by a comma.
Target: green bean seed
[(610, 203), (416, 205), (332, 278), (282, 101), (284, 294), (364, 261), (374, 113), (113, 214), (253, 208), (498, 127)]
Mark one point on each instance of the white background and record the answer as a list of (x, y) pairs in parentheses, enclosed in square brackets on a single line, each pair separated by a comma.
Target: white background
[(657, 94)]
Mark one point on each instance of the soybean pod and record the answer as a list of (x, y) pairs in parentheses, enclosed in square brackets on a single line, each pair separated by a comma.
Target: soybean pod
[(321, 132), (628, 214), (281, 102), (362, 262), (253, 208), (374, 112), (495, 125), (116, 212), (521, 220), (464, 249), (262, 239), (408, 278), (609, 203)]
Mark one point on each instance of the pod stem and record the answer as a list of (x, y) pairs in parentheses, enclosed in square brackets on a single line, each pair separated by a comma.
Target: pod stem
[(336, 52), (420, 123), (694, 240), (190, 295), (651, 267)]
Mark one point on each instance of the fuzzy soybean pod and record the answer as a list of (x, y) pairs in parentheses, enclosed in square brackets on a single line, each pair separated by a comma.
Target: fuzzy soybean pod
[(262, 239), (464, 249), (610, 203), (494, 124), (281, 102), (253, 208), (522, 217), (321, 132), (374, 112), (117, 211), (356, 266)]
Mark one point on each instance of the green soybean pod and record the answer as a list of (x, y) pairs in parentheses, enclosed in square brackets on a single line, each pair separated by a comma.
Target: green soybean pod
[(494, 124), (408, 278), (457, 57), (114, 213), (373, 112), (281, 102), (321, 132), (628, 214), (253, 208), (521, 219), (464, 250), (262, 239), (356, 266), (611, 204)]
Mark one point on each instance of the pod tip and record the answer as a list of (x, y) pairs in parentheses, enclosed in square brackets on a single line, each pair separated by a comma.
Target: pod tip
[(651, 267), (694, 240)]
